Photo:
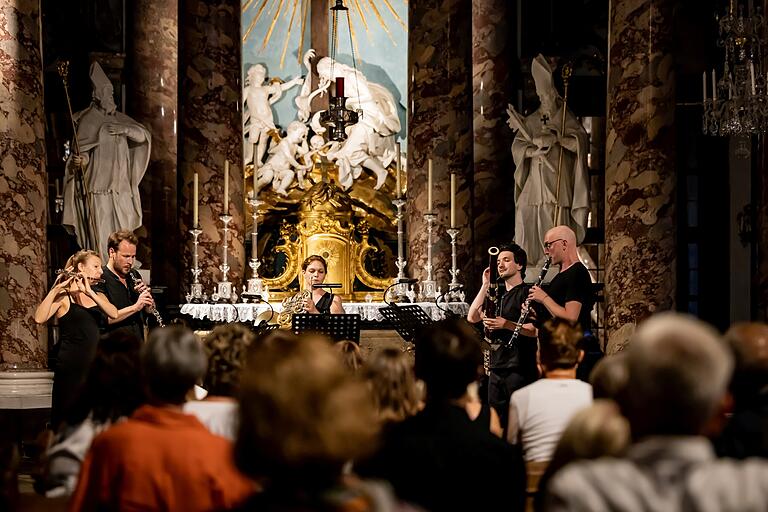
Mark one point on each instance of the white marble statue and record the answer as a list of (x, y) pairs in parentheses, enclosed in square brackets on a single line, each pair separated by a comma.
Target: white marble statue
[(258, 119), (282, 165), (114, 154), (536, 152), (304, 99), (371, 141)]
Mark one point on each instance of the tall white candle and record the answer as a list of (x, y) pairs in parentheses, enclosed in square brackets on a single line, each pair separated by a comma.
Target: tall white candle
[(714, 86), (194, 202), (453, 200), (429, 186), (397, 173), (752, 76), (704, 85), (226, 187)]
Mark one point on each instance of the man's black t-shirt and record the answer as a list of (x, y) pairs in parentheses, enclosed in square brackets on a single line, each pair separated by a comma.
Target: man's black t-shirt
[(522, 354), (122, 297), (573, 284)]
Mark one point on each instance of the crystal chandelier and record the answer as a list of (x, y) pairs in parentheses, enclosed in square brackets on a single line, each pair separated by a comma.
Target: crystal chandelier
[(738, 101)]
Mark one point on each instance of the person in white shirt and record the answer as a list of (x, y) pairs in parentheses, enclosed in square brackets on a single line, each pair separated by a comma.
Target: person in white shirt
[(539, 412)]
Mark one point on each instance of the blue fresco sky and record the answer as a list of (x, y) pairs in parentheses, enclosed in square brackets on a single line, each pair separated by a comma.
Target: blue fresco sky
[(382, 58)]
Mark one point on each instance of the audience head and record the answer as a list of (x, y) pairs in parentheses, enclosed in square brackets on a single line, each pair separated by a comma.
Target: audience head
[(609, 376), (226, 348), (678, 370), (113, 387), (303, 415), (749, 344), (350, 355), (172, 362), (393, 383), (448, 358), (559, 345)]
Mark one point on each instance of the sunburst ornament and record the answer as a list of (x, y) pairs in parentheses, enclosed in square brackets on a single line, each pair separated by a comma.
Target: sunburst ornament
[(297, 12)]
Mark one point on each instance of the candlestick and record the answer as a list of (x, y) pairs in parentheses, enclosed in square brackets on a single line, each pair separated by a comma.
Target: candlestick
[(714, 86), (428, 287), (752, 76), (255, 284), (226, 186), (194, 202), (339, 86), (224, 288), (58, 188), (454, 288), (704, 84), (196, 288), (429, 186), (453, 200), (401, 289), (397, 173)]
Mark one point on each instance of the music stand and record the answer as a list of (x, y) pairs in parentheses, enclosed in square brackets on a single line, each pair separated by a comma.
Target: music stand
[(262, 328), (406, 319), (337, 327)]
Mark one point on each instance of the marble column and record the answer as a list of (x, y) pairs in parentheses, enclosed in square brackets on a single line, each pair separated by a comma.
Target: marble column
[(640, 177), (152, 100), (210, 132), (23, 201), (440, 128), (493, 53)]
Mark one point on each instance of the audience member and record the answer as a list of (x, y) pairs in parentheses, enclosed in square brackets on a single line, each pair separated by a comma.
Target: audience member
[(746, 433), (597, 431), (226, 347), (678, 370), (161, 458), (112, 391), (303, 417), (539, 412), (396, 392), (439, 458), (351, 355), (609, 376)]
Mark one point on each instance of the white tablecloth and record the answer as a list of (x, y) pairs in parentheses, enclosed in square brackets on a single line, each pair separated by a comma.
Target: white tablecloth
[(367, 310)]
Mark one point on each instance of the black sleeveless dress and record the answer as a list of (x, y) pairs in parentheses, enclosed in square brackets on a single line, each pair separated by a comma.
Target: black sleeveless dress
[(324, 304), (78, 339)]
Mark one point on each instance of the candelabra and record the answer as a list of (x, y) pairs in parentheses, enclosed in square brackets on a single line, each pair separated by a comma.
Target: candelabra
[(196, 288), (739, 98), (400, 289), (428, 286), (454, 288), (224, 291), (255, 283)]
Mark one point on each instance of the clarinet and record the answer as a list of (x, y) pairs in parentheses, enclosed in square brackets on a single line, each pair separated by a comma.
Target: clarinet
[(526, 305), (136, 280)]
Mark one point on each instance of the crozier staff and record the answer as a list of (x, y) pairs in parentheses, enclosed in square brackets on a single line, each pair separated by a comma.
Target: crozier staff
[(313, 271), (80, 311)]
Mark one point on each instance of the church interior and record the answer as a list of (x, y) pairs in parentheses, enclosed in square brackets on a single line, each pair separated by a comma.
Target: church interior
[(396, 150)]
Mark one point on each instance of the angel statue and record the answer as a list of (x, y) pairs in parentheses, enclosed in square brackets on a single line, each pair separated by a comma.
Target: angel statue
[(258, 120), (282, 160), (536, 150), (370, 142)]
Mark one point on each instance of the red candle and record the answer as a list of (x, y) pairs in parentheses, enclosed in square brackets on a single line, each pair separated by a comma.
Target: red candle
[(339, 86)]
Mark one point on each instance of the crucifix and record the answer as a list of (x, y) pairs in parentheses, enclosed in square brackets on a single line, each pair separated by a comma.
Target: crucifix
[(544, 119)]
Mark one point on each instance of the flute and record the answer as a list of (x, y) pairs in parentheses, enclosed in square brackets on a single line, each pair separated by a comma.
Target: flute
[(69, 273), (527, 304)]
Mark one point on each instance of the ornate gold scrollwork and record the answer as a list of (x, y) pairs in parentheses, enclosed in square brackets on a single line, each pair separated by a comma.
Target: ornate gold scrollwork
[(291, 250), (361, 249)]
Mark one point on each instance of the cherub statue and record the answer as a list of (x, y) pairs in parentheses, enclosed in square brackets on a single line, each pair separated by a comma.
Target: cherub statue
[(258, 119), (371, 141), (280, 165)]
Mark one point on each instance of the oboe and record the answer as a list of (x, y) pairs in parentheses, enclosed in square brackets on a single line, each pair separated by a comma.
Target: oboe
[(136, 277), (527, 304)]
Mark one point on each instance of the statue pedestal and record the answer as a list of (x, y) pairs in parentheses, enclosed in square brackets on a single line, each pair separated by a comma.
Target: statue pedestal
[(25, 389)]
